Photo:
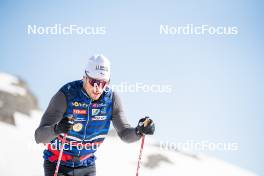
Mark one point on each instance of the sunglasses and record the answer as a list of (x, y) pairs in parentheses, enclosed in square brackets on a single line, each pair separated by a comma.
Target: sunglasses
[(95, 82)]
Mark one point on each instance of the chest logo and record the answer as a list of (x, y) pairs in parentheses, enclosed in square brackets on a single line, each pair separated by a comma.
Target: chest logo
[(79, 111), (77, 127), (99, 118), (79, 104), (96, 105), (95, 111)]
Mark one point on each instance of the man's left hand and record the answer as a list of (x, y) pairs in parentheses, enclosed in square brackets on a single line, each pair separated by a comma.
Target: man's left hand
[(145, 126)]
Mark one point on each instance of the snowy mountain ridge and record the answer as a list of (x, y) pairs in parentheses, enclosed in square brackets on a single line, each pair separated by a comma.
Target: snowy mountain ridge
[(15, 96), (9, 83)]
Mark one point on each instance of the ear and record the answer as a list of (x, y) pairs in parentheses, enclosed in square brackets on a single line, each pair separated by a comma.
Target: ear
[(84, 79)]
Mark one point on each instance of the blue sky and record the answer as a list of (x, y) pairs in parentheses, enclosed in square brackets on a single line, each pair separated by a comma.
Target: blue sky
[(217, 80)]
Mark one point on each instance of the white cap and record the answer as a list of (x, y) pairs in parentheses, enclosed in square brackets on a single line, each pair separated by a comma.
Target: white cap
[(98, 67)]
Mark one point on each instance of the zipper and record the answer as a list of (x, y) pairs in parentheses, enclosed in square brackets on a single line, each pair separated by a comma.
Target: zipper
[(88, 111)]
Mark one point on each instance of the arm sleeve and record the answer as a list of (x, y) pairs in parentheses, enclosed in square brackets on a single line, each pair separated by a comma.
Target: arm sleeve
[(123, 128), (53, 114)]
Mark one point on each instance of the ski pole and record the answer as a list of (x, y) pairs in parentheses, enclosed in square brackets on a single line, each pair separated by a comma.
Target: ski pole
[(145, 123), (71, 118), (60, 155), (140, 154)]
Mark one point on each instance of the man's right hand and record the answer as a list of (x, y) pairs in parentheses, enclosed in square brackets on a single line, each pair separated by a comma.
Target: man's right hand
[(64, 125)]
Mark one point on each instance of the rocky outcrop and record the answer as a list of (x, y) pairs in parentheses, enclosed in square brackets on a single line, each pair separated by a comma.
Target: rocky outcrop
[(15, 96)]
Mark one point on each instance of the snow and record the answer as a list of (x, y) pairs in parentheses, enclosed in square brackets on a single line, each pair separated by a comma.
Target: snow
[(19, 153), (182, 165), (8, 83), (20, 156)]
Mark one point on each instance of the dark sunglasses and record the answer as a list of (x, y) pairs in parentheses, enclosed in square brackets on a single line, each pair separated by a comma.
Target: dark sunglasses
[(95, 82)]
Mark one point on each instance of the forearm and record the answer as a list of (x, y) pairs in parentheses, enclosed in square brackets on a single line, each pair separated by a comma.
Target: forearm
[(129, 135), (45, 134), (124, 130)]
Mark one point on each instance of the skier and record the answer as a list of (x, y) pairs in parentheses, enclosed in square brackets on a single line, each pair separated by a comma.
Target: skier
[(79, 116)]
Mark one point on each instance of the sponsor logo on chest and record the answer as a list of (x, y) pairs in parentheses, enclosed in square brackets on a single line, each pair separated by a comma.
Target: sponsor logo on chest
[(98, 105), (95, 112), (79, 104), (99, 118), (77, 127), (79, 111)]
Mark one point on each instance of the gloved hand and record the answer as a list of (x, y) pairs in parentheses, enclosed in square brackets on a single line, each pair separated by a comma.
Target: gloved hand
[(64, 125), (145, 126)]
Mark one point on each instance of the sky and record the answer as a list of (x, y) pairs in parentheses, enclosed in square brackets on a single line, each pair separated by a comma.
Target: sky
[(217, 80)]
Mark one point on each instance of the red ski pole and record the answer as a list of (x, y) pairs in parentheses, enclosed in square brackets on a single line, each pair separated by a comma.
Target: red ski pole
[(145, 123), (140, 154), (60, 155), (71, 118)]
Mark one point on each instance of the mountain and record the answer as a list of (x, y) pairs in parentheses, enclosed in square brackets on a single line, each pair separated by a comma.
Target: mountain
[(15, 96)]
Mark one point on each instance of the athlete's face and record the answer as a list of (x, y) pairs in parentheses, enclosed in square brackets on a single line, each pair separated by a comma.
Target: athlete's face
[(93, 87)]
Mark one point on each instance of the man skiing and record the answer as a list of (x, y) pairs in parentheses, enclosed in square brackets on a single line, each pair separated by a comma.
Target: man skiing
[(79, 116)]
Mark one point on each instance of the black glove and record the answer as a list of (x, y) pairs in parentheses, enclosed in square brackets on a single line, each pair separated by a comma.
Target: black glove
[(145, 126), (64, 125)]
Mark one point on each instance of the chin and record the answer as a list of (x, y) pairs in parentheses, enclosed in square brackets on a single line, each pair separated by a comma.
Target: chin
[(96, 97)]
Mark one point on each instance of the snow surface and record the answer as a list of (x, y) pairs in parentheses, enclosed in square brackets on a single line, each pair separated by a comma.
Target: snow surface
[(19, 153), (21, 156), (8, 83), (125, 157)]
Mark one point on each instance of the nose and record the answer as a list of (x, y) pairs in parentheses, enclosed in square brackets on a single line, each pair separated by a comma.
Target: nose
[(98, 89)]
